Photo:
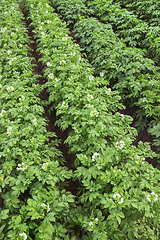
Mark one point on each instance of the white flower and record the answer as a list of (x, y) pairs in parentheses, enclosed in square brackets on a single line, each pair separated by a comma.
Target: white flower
[(48, 21), (57, 79), (152, 196), (75, 129), (43, 34), (22, 167), (2, 113), (89, 97), (40, 28), (73, 53), (149, 197), (24, 235), (120, 145), (9, 52), (95, 155), (64, 105), (96, 219), (11, 60), (3, 29), (46, 207), (116, 172), (10, 88), (9, 130), (49, 64), (90, 106), (122, 116), (94, 113), (20, 110), (108, 91), (62, 61), (21, 98), (91, 224), (140, 160), (34, 122), (43, 205), (44, 166), (91, 78), (64, 39), (155, 196), (121, 201), (101, 74), (13, 34), (51, 75), (118, 197), (46, 11)]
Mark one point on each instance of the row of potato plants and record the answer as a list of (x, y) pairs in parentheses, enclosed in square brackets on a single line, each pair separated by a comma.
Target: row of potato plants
[(119, 193), (135, 77), (146, 10), (128, 27), (35, 204)]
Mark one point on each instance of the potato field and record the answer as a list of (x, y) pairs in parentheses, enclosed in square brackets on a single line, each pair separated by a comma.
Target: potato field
[(79, 120)]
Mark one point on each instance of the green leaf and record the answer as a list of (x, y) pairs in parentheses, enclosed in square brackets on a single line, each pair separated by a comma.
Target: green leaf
[(4, 214)]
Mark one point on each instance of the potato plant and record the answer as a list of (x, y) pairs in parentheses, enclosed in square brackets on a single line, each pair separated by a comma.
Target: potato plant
[(135, 76), (32, 181), (128, 27), (146, 10), (119, 194)]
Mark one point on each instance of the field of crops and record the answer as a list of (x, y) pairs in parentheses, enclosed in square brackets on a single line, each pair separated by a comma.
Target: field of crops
[(73, 166)]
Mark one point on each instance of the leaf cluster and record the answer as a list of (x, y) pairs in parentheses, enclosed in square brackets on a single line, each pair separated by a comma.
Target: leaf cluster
[(31, 178), (128, 27), (126, 68), (88, 109)]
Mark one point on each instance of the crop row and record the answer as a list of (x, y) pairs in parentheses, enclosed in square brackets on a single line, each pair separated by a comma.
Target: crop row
[(146, 10), (128, 27), (119, 189), (127, 70), (31, 181)]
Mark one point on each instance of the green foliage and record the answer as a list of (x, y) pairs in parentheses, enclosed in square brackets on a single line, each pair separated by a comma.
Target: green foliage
[(31, 178), (146, 10), (126, 68), (119, 189), (155, 131), (132, 30), (132, 74), (72, 10)]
